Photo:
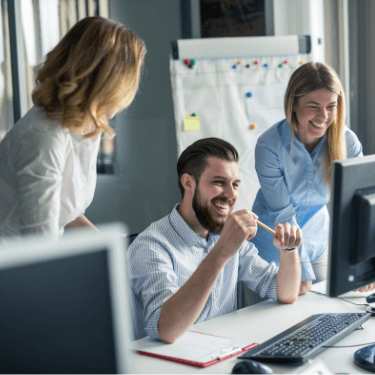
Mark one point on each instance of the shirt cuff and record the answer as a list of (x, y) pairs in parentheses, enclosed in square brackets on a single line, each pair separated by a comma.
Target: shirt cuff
[(307, 272), (153, 323), (272, 293)]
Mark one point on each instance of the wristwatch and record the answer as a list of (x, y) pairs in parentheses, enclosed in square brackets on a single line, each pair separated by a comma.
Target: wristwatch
[(288, 251)]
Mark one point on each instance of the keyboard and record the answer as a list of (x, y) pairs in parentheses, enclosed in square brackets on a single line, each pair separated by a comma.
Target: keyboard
[(306, 339)]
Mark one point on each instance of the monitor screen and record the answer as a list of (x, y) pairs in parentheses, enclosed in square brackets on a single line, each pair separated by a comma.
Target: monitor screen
[(352, 225), (60, 308)]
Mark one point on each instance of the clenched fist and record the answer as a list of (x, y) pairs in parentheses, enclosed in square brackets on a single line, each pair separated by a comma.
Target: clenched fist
[(288, 236)]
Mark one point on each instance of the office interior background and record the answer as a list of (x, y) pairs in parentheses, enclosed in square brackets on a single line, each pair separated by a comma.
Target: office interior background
[(141, 186)]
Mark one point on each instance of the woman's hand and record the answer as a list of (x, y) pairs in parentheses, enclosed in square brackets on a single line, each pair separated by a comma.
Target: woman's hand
[(366, 288), (305, 287), (80, 223)]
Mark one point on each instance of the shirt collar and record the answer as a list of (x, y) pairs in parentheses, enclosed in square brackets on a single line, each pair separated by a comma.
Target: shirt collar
[(286, 132), (286, 135), (78, 136), (184, 231), (320, 144)]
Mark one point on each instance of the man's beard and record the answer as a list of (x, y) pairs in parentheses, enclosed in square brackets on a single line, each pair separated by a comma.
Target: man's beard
[(203, 214)]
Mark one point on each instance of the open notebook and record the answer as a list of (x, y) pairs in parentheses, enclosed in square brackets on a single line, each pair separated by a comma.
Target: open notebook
[(193, 348)]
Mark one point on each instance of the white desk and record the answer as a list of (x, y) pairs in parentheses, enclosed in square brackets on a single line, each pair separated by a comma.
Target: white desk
[(265, 320)]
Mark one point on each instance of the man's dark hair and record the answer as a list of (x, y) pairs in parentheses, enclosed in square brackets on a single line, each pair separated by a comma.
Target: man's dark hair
[(193, 160)]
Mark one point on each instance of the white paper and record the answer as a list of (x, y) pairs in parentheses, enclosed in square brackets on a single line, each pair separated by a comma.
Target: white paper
[(191, 346)]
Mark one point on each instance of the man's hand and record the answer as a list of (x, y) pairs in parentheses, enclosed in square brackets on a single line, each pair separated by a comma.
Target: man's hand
[(366, 288), (305, 287), (237, 228), (288, 236), (288, 279)]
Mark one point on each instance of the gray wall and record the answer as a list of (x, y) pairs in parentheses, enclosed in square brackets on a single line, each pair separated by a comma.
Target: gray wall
[(144, 188), (362, 67)]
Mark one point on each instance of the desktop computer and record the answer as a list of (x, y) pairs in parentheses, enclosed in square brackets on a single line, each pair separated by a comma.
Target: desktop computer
[(65, 305), (352, 226), (351, 266)]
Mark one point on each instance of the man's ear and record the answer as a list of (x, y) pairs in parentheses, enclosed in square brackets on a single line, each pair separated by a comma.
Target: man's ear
[(188, 182)]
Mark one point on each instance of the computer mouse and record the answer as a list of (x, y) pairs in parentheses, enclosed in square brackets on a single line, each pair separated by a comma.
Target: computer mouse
[(365, 358), (248, 366), (370, 298)]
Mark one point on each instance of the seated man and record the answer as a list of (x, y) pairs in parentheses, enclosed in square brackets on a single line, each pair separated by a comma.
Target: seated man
[(185, 267)]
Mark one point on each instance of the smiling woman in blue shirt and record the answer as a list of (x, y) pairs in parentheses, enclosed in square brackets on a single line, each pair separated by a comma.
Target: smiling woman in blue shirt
[(293, 162)]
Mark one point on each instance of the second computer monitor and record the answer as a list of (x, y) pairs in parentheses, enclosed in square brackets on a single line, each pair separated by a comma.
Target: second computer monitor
[(64, 305), (352, 225)]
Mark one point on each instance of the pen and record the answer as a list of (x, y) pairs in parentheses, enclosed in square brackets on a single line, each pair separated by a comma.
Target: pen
[(265, 227), (228, 352)]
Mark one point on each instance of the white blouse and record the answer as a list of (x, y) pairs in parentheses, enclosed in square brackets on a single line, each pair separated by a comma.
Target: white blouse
[(47, 176)]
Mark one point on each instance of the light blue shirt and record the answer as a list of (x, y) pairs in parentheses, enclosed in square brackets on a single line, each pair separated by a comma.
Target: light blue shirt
[(293, 190), (164, 256)]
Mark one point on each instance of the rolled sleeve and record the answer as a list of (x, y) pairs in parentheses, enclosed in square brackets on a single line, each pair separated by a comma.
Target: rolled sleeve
[(152, 278), (257, 273), (307, 272)]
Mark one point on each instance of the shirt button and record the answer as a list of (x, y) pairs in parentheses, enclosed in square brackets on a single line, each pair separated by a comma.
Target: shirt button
[(310, 182)]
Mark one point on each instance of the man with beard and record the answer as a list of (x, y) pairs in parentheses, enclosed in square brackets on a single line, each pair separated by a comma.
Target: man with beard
[(185, 267)]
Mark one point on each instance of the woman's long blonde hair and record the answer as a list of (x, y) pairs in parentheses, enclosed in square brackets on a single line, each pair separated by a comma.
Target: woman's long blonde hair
[(307, 78), (93, 71)]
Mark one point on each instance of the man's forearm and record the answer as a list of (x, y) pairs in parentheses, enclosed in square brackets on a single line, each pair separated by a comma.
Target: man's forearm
[(288, 278), (181, 310)]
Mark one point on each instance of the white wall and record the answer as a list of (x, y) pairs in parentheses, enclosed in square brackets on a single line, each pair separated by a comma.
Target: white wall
[(302, 17)]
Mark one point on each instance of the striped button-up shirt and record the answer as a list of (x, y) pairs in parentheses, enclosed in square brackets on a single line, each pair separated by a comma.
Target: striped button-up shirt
[(166, 254)]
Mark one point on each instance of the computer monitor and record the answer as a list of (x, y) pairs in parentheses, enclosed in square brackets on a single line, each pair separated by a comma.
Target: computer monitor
[(64, 306), (352, 225)]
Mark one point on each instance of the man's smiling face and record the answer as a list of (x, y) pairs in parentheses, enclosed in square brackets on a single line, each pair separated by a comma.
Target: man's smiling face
[(216, 193)]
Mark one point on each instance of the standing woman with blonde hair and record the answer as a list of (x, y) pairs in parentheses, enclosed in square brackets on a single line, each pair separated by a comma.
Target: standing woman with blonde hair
[(293, 161), (48, 159)]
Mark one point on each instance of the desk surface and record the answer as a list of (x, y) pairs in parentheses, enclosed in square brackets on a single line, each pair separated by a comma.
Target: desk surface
[(265, 320)]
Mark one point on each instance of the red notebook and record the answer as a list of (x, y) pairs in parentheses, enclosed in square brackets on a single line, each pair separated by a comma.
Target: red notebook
[(193, 348)]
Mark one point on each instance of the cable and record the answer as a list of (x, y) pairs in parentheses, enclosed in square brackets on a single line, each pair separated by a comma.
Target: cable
[(343, 299), (358, 304), (348, 346)]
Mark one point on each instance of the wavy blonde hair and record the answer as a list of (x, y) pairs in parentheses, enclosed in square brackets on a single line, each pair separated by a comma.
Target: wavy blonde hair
[(307, 78), (93, 71)]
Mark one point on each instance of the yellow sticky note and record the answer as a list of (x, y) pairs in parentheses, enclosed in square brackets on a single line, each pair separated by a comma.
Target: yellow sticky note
[(191, 123)]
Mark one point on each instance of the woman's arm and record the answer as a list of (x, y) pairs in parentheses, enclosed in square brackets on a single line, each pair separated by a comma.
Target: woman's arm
[(39, 163), (269, 167), (81, 222)]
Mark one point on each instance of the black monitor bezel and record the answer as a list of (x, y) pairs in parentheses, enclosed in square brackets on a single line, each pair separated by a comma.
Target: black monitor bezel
[(348, 176)]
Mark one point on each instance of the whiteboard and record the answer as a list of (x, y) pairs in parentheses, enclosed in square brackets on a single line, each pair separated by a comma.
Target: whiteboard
[(236, 97)]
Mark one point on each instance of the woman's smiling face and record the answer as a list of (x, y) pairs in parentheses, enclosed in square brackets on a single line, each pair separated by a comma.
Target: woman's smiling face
[(315, 113)]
